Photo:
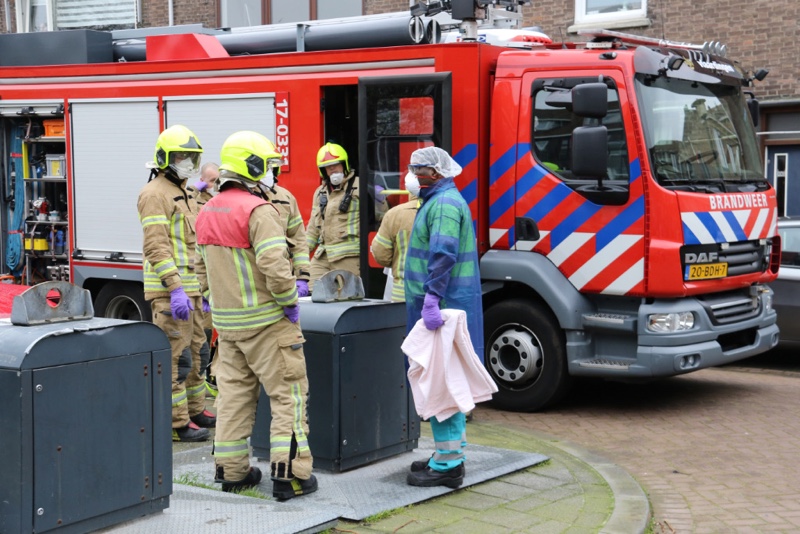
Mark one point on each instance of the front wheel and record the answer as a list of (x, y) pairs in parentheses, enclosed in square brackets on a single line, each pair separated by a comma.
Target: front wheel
[(122, 300), (525, 355)]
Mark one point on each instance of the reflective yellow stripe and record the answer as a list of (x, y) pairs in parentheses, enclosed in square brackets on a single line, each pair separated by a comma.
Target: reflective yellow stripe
[(154, 220), (164, 267), (382, 241), (300, 260), (196, 391), (398, 291), (297, 426), (353, 218), (247, 318), (270, 243), (244, 272), (287, 298), (227, 449), (294, 222), (179, 398)]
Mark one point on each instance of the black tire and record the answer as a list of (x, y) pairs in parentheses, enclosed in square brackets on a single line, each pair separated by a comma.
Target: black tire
[(122, 300), (525, 355)]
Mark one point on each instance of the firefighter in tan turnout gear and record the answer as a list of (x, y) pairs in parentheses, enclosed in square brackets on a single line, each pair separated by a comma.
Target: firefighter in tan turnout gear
[(167, 210), (244, 266), (334, 224), (390, 246)]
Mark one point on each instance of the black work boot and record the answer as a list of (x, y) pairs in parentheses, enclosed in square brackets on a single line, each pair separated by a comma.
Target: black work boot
[(251, 480), (190, 433), (288, 489), (428, 478), (204, 419)]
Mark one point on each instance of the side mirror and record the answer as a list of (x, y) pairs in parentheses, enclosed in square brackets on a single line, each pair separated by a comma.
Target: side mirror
[(590, 100), (753, 106), (590, 151)]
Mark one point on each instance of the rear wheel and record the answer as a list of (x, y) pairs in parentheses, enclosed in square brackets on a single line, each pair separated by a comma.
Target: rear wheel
[(525, 355), (122, 300)]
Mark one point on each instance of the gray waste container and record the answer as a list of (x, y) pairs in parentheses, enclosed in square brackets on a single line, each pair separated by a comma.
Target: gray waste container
[(86, 419), (360, 407)]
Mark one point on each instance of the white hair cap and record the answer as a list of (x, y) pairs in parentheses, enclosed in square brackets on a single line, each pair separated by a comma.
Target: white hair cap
[(438, 159)]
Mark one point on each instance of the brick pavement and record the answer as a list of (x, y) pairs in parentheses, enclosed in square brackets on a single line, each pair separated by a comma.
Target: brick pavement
[(715, 450)]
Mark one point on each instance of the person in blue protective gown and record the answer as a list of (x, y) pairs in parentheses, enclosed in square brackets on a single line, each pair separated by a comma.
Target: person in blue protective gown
[(442, 271)]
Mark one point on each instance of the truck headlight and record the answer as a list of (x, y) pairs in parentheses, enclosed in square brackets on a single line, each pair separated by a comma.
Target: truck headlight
[(670, 322), (766, 299)]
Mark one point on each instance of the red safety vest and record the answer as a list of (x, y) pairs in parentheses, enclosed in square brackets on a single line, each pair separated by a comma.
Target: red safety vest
[(225, 219)]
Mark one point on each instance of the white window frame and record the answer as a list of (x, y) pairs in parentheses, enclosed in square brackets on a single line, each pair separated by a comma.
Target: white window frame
[(618, 19), (23, 13)]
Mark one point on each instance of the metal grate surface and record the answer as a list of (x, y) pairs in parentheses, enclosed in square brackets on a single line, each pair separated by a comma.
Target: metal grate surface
[(352, 495)]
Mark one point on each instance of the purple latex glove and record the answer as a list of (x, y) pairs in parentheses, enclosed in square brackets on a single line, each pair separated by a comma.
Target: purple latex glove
[(180, 304), (206, 306), (292, 313), (431, 315), (200, 185), (302, 289)]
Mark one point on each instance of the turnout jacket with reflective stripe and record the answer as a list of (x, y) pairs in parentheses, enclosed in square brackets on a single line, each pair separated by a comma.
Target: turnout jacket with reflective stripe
[(390, 245), (248, 283), (167, 212), (331, 230), (295, 230)]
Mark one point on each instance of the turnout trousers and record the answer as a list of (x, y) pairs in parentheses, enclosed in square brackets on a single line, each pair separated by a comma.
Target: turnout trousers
[(180, 335), (274, 359)]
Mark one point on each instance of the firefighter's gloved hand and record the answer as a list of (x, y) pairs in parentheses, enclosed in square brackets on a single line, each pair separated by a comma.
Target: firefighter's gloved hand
[(292, 313), (431, 315), (302, 288), (180, 304), (200, 185), (206, 305)]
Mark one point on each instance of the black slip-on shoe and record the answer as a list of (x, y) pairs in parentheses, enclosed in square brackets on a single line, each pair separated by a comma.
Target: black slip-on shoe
[(428, 478), (420, 465)]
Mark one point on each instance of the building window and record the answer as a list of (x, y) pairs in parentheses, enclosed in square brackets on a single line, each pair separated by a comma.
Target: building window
[(49, 15), (610, 13), (236, 13)]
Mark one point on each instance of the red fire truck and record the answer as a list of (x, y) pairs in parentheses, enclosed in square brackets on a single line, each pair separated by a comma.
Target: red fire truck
[(625, 226)]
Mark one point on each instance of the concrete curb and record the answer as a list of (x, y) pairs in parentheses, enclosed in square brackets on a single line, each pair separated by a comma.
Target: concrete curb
[(632, 512), (631, 507)]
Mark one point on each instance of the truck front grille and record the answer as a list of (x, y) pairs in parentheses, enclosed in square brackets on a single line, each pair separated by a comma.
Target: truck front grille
[(731, 306)]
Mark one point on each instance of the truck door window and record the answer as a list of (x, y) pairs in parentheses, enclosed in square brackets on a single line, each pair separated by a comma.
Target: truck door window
[(552, 129)]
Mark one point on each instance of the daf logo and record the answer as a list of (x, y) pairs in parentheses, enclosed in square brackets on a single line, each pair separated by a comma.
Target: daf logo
[(703, 257)]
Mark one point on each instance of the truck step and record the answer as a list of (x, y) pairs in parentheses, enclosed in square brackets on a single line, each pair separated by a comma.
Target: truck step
[(604, 363), (609, 321)]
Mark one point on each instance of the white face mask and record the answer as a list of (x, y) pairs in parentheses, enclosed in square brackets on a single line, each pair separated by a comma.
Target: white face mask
[(268, 179), (185, 169), (336, 178), (412, 184)]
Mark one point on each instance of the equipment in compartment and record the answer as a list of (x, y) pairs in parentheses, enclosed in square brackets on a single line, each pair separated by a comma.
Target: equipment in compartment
[(53, 127), (55, 165), (36, 151)]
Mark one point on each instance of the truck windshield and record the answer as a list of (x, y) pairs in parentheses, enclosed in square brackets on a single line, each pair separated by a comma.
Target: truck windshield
[(698, 133)]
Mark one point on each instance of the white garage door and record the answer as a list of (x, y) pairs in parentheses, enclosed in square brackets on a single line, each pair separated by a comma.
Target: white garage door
[(112, 141), (213, 119)]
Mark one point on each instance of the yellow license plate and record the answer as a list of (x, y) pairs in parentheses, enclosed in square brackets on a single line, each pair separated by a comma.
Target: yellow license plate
[(706, 271)]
